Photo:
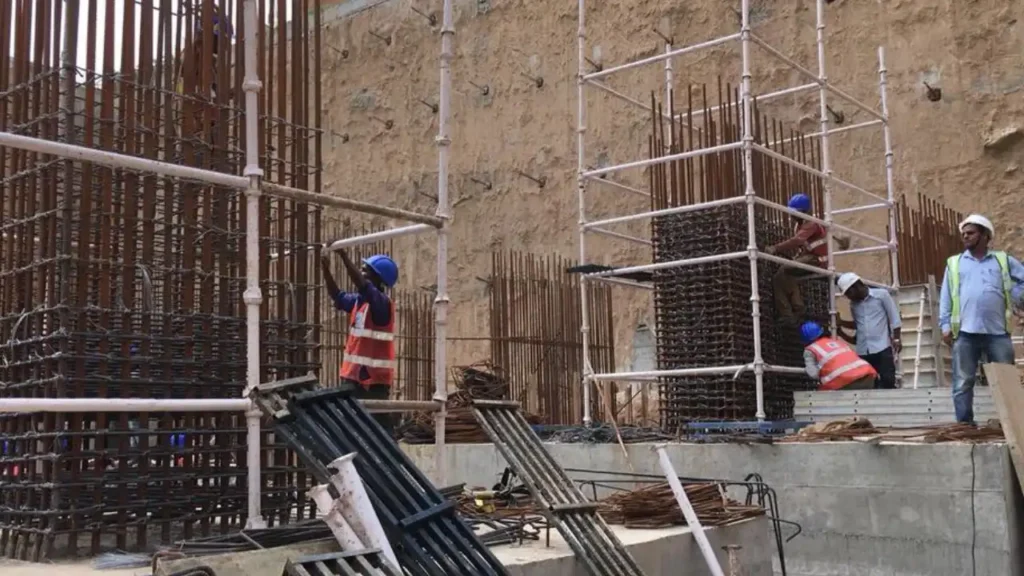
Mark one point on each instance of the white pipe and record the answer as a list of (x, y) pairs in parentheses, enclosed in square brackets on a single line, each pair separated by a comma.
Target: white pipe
[(27, 405), (830, 87), (667, 211), (750, 197), (920, 330), (660, 57), (115, 160), (378, 236), (252, 296), (624, 282), (663, 159), (809, 218), (668, 265), (832, 131), (864, 208), (619, 235), (654, 375), (668, 88), (826, 160), (684, 504), (613, 92), (581, 187), (890, 186), (761, 99), (800, 166), (355, 506), (865, 250), (622, 186), (442, 300), (335, 520)]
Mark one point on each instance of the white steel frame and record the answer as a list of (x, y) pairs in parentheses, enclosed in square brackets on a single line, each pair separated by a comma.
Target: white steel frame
[(251, 182), (745, 38)]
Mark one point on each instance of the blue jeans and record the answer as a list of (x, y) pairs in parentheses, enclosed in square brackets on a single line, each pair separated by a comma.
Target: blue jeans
[(967, 351)]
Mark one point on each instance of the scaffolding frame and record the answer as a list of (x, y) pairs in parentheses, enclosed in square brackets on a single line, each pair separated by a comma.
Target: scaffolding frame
[(819, 80), (253, 186)]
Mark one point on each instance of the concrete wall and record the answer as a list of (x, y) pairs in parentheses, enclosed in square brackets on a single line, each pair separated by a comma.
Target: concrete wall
[(901, 509), (969, 49)]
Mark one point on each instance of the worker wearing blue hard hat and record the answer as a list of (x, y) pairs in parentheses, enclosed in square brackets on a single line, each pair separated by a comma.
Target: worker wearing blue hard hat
[(832, 362), (808, 245), (368, 366)]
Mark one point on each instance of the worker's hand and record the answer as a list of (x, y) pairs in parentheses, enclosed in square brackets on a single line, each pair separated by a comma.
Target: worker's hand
[(770, 250), (325, 255), (897, 345), (947, 339)]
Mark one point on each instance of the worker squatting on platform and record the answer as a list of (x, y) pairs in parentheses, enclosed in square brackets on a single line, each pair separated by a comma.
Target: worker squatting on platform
[(368, 366), (980, 290), (832, 362)]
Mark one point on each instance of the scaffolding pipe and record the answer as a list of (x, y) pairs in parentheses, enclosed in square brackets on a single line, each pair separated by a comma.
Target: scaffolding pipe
[(826, 159), (124, 161), (378, 236), (750, 196), (832, 131), (253, 296), (355, 506), (621, 186), (335, 520), (667, 211), (85, 405), (664, 159), (761, 99), (441, 301), (692, 522), (890, 186), (669, 265), (660, 57), (860, 208), (581, 186), (619, 235)]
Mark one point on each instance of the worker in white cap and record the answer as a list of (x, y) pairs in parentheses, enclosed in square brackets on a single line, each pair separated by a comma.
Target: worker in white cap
[(877, 322), (980, 289)]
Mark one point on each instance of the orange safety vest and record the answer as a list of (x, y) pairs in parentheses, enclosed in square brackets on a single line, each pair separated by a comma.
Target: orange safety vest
[(817, 244), (838, 365), (369, 346)]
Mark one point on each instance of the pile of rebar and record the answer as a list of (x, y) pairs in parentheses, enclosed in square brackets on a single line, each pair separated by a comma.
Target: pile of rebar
[(655, 506), (861, 429), (124, 284), (704, 311)]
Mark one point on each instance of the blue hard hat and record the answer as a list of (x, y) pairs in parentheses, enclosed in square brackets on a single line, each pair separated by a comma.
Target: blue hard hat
[(385, 267), (810, 331), (800, 202)]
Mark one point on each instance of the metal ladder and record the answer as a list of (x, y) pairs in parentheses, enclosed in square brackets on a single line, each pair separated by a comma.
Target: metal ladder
[(924, 361)]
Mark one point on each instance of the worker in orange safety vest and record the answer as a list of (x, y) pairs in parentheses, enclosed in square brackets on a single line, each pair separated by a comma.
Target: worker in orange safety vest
[(368, 366), (833, 362)]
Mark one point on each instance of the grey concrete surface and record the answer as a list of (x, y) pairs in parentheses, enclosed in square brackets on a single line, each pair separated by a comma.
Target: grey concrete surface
[(866, 510), (658, 552)]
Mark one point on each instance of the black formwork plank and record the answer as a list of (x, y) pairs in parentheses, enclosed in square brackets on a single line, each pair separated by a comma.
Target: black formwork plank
[(358, 563)]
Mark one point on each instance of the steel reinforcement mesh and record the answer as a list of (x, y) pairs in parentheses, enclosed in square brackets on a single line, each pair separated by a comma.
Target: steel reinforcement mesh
[(121, 284), (704, 319)]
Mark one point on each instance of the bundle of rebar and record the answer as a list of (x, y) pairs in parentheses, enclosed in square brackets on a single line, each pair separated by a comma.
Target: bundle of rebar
[(863, 429), (927, 235), (476, 382), (123, 284), (704, 311), (655, 506)]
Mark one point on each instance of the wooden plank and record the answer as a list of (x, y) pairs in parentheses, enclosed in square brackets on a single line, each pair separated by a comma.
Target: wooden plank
[(1005, 381)]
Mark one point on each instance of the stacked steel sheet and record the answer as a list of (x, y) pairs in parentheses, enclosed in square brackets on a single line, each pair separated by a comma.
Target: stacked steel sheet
[(325, 424), (704, 311), (122, 284), (596, 547)]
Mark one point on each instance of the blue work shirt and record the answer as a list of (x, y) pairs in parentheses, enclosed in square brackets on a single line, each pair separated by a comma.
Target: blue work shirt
[(876, 317), (380, 308), (982, 303)]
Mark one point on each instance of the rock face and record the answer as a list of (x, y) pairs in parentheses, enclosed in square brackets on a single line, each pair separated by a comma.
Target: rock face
[(955, 87)]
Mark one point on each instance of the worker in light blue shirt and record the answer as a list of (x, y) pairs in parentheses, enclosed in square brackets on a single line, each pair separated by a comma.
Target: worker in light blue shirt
[(980, 290), (877, 322)]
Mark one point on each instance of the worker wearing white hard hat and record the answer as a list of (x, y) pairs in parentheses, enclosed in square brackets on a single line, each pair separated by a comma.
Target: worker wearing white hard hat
[(877, 322), (980, 289)]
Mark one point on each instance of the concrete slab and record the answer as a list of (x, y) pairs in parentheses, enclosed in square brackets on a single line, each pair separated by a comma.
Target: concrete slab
[(888, 509)]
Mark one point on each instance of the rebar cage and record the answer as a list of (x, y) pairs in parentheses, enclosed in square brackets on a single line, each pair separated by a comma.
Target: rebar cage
[(125, 284)]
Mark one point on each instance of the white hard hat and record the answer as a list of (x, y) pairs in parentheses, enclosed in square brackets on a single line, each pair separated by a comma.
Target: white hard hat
[(979, 220), (846, 280)]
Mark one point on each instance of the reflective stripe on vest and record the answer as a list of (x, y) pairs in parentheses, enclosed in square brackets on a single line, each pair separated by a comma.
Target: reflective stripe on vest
[(370, 349), (814, 245), (953, 273), (838, 364)]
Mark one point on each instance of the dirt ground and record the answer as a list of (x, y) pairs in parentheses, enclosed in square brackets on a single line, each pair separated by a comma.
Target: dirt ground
[(83, 568)]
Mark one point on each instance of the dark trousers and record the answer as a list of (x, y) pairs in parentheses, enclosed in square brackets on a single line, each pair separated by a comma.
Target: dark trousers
[(885, 364), (373, 392)]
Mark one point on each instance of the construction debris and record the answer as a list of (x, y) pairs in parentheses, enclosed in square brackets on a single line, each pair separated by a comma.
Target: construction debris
[(861, 430), (655, 507)]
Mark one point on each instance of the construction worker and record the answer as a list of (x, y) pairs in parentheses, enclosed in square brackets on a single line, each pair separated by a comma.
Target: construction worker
[(877, 322), (367, 369), (809, 245), (833, 362), (979, 290)]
